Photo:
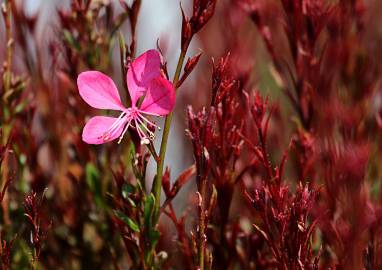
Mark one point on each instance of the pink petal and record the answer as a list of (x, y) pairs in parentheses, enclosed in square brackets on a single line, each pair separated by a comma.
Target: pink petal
[(142, 70), (160, 97), (99, 91), (96, 127)]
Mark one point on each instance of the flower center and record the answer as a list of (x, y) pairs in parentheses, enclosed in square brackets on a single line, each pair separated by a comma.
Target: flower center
[(128, 117), (140, 124)]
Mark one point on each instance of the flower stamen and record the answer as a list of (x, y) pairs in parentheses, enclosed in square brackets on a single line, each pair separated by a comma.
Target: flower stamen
[(142, 135), (152, 135), (114, 130), (148, 121), (116, 121), (124, 131), (114, 127), (148, 113)]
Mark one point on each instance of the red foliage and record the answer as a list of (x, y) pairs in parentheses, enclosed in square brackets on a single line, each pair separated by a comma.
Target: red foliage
[(283, 127)]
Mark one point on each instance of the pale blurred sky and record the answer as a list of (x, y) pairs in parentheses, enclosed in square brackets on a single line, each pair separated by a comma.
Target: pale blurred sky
[(158, 19)]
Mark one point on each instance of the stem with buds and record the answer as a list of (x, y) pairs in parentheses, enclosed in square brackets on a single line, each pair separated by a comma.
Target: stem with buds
[(166, 131), (9, 45)]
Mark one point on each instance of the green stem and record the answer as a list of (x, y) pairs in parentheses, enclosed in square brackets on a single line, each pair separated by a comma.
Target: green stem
[(34, 260), (162, 154), (202, 225)]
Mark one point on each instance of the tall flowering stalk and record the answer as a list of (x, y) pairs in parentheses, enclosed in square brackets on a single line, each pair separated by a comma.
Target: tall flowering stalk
[(33, 213), (202, 13), (200, 132), (7, 75), (286, 225)]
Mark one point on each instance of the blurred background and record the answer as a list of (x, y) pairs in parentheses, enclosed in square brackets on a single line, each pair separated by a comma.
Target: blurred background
[(321, 72)]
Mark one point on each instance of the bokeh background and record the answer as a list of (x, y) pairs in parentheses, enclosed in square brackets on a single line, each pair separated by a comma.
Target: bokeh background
[(331, 126)]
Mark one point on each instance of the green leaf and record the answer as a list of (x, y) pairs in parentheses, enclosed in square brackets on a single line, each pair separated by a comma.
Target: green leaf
[(127, 189), (132, 203), (152, 239), (129, 222), (93, 181), (92, 176), (154, 236), (148, 210), (131, 151), (20, 107), (68, 37)]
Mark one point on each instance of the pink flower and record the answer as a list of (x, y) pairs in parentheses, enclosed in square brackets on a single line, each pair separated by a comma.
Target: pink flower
[(144, 78)]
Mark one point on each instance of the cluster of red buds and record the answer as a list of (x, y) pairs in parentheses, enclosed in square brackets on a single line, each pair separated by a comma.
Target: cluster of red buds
[(203, 10), (222, 81), (32, 209), (304, 148), (200, 132), (285, 217), (215, 136), (172, 191), (188, 68), (187, 247), (5, 253), (326, 82), (131, 12), (258, 111), (304, 22)]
